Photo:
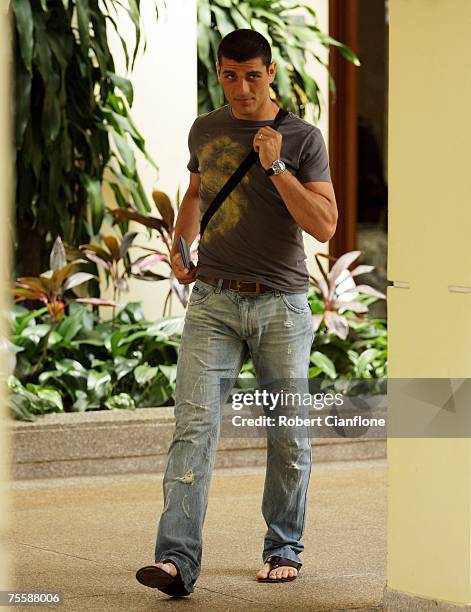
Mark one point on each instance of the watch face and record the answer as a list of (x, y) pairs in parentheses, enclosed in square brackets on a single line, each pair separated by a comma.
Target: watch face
[(278, 166)]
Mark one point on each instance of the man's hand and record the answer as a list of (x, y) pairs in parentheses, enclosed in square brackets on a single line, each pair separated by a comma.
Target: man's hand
[(183, 275), (267, 143)]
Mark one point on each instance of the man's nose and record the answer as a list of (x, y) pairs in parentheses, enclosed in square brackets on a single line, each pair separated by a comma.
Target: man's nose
[(243, 87)]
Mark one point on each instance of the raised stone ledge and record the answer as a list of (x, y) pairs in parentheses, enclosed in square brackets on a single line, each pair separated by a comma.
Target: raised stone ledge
[(122, 441)]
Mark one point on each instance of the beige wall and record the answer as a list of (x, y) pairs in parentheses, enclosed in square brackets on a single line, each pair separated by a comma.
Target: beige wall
[(6, 155), (165, 94), (312, 246), (429, 518)]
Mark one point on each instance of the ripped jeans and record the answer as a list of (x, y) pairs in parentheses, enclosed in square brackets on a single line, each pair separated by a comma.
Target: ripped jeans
[(219, 327)]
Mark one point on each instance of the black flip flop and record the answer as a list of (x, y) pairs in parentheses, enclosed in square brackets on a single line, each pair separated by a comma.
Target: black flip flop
[(157, 578), (275, 562)]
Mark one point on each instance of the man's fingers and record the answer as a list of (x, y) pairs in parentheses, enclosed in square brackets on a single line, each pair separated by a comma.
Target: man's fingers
[(186, 279)]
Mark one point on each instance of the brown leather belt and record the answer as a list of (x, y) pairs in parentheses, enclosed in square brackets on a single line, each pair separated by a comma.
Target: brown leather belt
[(244, 288)]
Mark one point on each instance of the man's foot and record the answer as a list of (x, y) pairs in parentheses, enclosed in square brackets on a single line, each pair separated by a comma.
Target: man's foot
[(162, 576), (281, 573), (167, 567)]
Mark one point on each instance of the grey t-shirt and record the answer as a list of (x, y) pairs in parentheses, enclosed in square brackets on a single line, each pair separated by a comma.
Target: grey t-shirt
[(252, 236)]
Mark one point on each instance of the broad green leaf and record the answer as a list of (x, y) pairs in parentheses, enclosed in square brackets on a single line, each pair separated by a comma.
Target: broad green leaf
[(124, 85), (239, 20), (245, 10), (170, 372), (365, 360), (122, 401), (282, 76), (260, 26), (269, 16), (123, 366), (314, 371), (51, 396), (144, 374), (82, 403), (324, 363), (165, 328), (83, 19), (36, 332), (72, 367), (204, 13), (223, 20), (22, 103), (203, 46), (99, 383), (126, 153), (95, 200), (70, 327), (24, 26)]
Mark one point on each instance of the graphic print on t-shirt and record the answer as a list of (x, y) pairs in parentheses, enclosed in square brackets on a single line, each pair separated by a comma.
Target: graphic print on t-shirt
[(219, 159)]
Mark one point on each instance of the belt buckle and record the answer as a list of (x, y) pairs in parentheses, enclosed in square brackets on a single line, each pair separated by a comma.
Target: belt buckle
[(246, 293)]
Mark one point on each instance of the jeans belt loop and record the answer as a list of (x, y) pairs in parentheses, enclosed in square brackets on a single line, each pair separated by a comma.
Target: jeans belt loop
[(277, 292), (219, 285)]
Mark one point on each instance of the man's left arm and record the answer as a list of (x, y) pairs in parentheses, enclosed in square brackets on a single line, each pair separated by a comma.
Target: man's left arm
[(312, 204)]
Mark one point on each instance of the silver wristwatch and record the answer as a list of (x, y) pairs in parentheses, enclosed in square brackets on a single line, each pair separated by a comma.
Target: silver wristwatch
[(277, 167)]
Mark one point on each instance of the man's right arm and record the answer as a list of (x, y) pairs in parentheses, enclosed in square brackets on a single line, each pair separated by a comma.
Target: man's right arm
[(187, 226)]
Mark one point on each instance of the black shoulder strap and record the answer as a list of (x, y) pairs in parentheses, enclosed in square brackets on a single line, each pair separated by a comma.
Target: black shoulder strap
[(236, 177)]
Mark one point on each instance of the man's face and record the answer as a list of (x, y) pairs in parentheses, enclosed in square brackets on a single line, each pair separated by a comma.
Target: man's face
[(246, 84)]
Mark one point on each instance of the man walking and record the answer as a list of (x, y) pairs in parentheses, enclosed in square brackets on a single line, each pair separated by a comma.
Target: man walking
[(250, 295)]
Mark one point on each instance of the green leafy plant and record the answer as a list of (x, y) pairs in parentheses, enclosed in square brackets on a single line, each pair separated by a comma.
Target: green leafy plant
[(291, 37), (113, 260), (72, 122), (91, 364), (50, 288), (349, 352), (339, 294), (164, 225), (349, 347)]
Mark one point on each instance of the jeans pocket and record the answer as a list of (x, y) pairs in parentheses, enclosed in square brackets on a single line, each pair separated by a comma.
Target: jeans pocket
[(200, 293), (297, 302)]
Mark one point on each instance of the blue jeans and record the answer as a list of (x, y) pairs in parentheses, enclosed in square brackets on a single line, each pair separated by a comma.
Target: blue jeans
[(220, 325)]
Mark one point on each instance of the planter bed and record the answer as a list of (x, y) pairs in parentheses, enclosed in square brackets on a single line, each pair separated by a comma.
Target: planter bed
[(136, 441)]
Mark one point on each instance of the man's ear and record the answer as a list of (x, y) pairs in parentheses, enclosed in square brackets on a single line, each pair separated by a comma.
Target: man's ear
[(218, 70), (272, 71)]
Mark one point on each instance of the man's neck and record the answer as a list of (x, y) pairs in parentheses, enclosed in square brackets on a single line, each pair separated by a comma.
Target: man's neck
[(267, 113)]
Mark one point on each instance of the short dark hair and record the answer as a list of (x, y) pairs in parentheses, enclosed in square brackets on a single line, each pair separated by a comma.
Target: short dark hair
[(244, 44)]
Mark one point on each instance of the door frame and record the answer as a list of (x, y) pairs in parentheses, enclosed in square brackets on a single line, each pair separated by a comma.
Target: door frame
[(343, 118)]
